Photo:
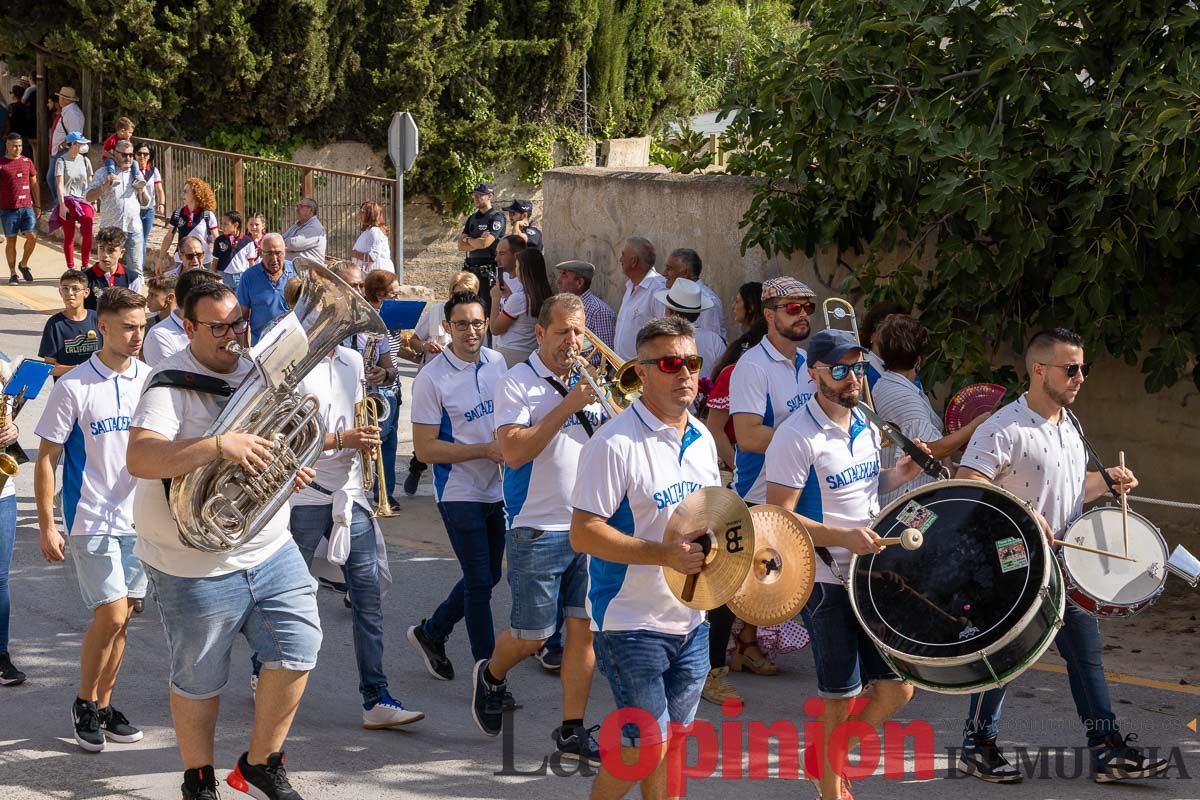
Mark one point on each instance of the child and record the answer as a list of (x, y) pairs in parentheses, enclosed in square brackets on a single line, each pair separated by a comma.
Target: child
[(124, 132), (256, 229), (72, 335), (108, 270), (233, 252), (160, 298)]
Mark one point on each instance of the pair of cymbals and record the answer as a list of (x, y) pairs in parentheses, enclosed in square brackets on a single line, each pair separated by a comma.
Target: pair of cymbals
[(783, 571)]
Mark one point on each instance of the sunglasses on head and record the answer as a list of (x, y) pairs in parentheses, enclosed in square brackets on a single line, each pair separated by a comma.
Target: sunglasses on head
[(839, 371), (672, 364), (795, 307), (1072, 369)]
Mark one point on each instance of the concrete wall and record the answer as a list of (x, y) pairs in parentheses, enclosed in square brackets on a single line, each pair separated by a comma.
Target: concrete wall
[(588, 212)]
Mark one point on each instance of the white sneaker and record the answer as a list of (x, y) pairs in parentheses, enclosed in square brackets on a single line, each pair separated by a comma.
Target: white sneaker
[(389, 713)]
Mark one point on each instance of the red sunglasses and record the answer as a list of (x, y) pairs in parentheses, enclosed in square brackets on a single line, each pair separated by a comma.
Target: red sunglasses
[(794, 308), (672, 364)]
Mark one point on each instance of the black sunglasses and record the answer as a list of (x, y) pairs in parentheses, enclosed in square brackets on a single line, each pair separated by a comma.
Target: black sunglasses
[(1072, 369), (672, 364), (839, 371)]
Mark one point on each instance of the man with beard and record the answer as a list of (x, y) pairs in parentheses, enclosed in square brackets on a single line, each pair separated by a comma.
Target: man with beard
[(1033, 447), (824, 463), (768, 385)]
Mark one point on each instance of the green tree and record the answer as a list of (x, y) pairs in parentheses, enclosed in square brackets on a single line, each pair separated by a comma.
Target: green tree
[(1038, 150)]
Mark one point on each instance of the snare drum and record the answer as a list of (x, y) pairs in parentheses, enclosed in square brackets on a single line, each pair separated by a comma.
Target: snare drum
[(1112, 587), (976, 605)]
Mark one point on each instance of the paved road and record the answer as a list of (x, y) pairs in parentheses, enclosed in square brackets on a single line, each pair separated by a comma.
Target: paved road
[(445, 756)]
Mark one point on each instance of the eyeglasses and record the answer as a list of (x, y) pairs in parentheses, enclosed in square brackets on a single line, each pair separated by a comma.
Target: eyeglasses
[(1072, 369), (197, 255), (672, 364), (221, 329), (124, 153), (839, 371), (794, 308), (71, 289), (144, 154), (394, 295), (463, 324)]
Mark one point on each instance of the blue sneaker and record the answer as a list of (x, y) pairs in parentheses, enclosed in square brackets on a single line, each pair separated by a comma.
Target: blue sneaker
[(388, 712)]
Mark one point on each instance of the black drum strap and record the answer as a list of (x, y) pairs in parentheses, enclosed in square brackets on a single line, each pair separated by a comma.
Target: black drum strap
[(928, 464), (1093, 456)]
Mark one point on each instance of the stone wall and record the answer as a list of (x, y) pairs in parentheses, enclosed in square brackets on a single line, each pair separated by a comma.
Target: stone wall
[(588, 212)]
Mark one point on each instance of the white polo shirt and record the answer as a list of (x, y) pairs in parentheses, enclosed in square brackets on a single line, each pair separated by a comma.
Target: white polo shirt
[(836, 472), (537, 494), (1040, 462), (638, 306), (520, 335), (88, 413), (184, 414), (165, 339), (899, 400), (457, 396), (769, 385), (337, 384), (633, 473)]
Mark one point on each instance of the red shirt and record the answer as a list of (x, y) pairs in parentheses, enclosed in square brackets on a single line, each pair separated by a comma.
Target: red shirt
[(110, 143), (718, 397), (15, 174)]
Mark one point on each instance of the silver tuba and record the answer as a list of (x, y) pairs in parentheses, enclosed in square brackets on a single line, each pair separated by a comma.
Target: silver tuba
[(220, 506)]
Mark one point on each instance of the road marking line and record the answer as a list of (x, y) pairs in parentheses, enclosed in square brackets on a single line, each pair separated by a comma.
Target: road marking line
[(1132, 680), (24, 299)]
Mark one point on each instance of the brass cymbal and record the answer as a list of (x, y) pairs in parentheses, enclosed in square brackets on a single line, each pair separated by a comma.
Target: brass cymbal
[(785, 565), (727, 548)]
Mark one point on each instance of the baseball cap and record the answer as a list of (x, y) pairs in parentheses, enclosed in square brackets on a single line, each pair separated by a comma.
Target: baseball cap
[(519, 206), (584, 269), (76, 136), (785, 286), (483, 188), (831, 345)]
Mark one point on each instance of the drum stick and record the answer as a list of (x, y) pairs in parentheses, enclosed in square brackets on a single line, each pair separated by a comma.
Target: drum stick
[(1124, 507), (1087, 549)]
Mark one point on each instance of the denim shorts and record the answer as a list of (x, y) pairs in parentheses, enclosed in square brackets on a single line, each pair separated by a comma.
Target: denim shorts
[(540, 565), (661, 674), (846, 657), (272, 604), (107, 568), (18, 220)]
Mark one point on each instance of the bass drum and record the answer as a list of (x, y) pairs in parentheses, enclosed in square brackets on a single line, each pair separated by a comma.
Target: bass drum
[(976, 605)]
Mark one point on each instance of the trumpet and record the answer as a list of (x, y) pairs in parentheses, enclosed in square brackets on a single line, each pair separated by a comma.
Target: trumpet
[(623, 387), (373, 410), (839, 309)]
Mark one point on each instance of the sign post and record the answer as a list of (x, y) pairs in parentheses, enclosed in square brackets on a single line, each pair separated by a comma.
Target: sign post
[(402, 150)]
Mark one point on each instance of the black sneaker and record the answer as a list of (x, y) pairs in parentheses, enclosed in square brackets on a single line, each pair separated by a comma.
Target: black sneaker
[(487, 701), (1118, 760), (13, 280), (266, 781), (578, 744), (200, 784), (9, 675), (411, 482), (432, 653), (550, 658), (139, 605), (86, 717), (985, 761), (26, 273), (116, 727)]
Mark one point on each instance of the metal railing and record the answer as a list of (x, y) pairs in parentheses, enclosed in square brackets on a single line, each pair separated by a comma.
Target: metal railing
[(249, 184)]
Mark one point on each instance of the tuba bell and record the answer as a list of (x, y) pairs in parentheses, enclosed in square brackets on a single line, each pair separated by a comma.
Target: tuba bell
[(219, 507)]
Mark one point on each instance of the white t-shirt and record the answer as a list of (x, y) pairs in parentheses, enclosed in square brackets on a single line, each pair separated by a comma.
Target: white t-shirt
[(520, 335), (184, 414), (638, 306), (457, 396), (429, 329), (836, 472), (900, 401), (374, 243), (337, 384), (1041, 462), (88, 413), (165, 339), (633, 473), (537, 494), (768, 385)]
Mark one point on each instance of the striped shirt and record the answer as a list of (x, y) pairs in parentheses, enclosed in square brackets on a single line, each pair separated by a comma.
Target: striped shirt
[(599, 317), (900, 401)]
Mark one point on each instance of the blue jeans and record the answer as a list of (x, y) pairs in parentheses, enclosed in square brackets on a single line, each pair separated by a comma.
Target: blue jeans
[(659, 673), (51, 184), (8, 535), (477, 536), (311, 524), (546, 576), (147, 227), (134, 249), (845, 657), (387, 436), (1080, 645)]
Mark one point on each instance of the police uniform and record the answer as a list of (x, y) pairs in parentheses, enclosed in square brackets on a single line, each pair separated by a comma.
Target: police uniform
[(482, 263), (533, 237)]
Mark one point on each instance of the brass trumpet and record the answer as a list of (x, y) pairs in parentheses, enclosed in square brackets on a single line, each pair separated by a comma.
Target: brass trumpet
[(624, 386)]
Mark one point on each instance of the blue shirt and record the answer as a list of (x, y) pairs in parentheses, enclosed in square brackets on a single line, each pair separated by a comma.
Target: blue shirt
[(263, 296)]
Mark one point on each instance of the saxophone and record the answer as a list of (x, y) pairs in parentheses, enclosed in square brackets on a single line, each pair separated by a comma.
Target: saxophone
[(219, 507), (8, 464)]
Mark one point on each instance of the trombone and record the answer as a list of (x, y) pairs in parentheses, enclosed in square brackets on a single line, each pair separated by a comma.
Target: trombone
[(839, 309), (622, 388)]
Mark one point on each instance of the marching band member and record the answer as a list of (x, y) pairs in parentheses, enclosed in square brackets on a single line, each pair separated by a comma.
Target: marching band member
[(86, 421), (334, 507), (545, 414), (632, 474), (824, 463), (1032, 448), (168, 337), (453, 430), (262, 589)]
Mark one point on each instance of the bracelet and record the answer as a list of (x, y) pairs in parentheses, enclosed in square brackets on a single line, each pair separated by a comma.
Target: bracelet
[(337, 440), (220, 453)]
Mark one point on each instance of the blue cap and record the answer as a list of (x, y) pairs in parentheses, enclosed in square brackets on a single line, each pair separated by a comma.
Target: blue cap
[(76, 136), (831, 345), (483, 188)]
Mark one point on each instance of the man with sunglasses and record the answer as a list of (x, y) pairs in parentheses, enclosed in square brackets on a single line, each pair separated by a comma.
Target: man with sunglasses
[(454, 430), (124, 194), (1033, 447), (824, 463), (262, 589), (632, 475)]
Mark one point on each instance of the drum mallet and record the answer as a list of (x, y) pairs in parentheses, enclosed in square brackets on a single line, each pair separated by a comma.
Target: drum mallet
[(1124, 507), (910, 539)]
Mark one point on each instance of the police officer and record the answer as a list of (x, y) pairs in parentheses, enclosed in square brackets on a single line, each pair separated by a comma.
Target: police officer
[(519, 212), (483, 231)]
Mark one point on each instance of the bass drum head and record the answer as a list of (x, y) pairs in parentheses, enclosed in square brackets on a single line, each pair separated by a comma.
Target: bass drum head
[(1114, 580), (981, 568)]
